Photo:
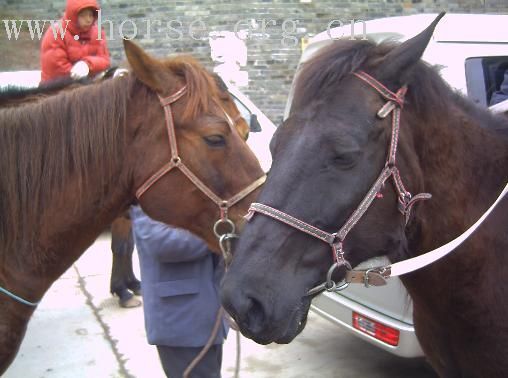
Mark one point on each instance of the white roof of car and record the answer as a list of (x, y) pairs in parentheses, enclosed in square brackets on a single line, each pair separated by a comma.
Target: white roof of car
[(484, 28)]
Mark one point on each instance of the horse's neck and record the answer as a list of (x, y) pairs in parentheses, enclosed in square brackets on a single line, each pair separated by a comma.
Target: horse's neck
[(465, 168), (92, 192)]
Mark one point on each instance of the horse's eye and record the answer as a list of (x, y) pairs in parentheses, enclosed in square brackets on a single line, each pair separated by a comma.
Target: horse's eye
[(215, 140), (345, 160)]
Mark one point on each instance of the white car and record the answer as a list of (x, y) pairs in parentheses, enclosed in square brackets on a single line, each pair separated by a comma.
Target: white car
[(472, 51), (261, 128)]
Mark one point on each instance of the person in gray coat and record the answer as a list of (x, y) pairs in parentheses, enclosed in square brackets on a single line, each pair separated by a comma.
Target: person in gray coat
[(180, 286), (502, 94)]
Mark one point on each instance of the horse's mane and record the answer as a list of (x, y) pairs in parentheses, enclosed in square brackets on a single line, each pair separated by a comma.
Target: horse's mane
[(322, 75), (47, 88), (12, 95), (201, 85), (45, 143)]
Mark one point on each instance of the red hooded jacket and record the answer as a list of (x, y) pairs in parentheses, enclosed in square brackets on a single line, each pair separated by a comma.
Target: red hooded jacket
[(59, 55)]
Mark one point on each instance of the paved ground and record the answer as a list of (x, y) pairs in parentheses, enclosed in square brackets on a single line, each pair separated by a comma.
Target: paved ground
[(80, 331)]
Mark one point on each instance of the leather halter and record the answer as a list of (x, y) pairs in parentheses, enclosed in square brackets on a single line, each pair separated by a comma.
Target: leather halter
[(176, 162), (394, 105)]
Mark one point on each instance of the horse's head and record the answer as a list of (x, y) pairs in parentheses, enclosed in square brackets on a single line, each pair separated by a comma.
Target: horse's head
[(326, 158), (191, 162)]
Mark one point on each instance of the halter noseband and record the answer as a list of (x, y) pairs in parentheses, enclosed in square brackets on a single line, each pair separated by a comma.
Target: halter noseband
[(394, 104)]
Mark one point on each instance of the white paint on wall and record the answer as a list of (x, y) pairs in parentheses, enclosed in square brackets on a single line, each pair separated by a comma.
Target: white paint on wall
[(229, 51)]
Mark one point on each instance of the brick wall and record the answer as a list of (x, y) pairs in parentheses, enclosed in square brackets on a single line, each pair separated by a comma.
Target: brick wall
[(272, 57)]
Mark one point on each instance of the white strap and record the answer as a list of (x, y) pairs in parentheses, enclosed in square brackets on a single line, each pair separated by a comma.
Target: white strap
[(418, 262), (499, 108)]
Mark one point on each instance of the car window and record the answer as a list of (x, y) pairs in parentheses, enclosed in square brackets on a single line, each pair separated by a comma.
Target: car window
[(484, 76), (248, 115), (244, 111)]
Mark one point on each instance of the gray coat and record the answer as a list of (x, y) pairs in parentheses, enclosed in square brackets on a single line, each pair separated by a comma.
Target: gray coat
[(180, 284)]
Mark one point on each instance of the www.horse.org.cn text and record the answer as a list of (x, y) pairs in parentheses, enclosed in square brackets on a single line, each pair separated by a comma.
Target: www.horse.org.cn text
[(287, 30)]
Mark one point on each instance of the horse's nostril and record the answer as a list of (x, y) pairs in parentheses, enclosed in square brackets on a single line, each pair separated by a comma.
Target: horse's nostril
[(245, 308), (255, 316)]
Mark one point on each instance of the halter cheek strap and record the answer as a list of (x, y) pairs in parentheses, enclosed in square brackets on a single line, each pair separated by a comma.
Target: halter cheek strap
[(175, 159), (394, 105)]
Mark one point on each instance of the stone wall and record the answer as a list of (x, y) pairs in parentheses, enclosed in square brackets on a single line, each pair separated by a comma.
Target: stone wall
[(165, 27)]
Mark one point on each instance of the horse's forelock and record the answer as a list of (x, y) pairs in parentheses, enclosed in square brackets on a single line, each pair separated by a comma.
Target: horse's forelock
[(201, 85), (324, 72)]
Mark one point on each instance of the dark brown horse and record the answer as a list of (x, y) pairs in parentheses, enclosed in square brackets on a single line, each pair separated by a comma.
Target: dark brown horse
[(165, 135), (123, 282), (343, 130)]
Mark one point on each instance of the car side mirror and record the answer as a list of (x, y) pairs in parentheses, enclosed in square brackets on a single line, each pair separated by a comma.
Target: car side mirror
[(254, 125)]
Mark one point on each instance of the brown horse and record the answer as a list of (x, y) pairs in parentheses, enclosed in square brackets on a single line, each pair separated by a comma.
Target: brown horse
[(350, 112), (71, 163), (123, 282)]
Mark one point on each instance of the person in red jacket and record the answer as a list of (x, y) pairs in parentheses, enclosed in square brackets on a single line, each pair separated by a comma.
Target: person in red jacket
[(80, 52)]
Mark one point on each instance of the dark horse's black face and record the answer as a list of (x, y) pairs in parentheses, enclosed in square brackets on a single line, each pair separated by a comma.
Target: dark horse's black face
[(326, 157)]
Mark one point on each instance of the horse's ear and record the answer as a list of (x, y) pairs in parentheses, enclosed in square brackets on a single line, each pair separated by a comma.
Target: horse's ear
[(145, 68), (404, 56)]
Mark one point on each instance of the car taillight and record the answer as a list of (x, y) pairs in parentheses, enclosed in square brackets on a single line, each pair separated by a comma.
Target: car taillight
[(375, 329)]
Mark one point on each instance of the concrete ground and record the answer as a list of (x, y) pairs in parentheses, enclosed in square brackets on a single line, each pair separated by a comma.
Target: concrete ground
[(80, 331)]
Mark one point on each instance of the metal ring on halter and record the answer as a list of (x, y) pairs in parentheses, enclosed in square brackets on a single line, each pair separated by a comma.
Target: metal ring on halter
[(225, 247), (330, 284), (176, 160), (317, 289), (366, 276), (220, 222), (224, 238)]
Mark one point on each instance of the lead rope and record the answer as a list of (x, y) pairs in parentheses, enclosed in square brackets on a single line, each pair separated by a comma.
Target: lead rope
[(208, 345), (18, 298), (225, 246)]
